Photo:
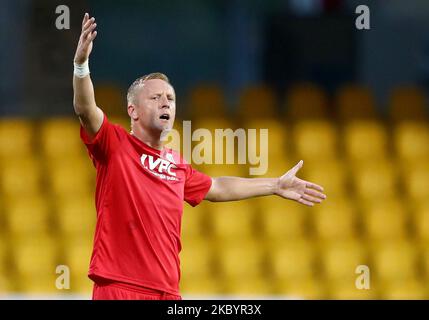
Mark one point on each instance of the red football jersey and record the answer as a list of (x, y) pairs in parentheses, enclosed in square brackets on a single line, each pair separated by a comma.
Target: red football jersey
[(139, 200)]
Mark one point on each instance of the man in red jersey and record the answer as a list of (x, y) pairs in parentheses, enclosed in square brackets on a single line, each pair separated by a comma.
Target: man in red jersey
[(141, 186)]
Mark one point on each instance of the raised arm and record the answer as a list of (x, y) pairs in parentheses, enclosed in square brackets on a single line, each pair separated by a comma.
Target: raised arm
[(84, 104), (287, 186)]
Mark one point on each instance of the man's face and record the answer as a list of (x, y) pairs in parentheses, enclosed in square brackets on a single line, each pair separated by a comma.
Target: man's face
[(155, 106)]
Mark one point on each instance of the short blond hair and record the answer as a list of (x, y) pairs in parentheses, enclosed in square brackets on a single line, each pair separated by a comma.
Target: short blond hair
[(132, 90)]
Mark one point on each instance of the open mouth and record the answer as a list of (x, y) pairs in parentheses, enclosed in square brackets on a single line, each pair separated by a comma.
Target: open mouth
[(165, 116)]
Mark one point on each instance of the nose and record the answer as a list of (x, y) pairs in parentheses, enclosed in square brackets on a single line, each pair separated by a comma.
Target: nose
[(164, 102)]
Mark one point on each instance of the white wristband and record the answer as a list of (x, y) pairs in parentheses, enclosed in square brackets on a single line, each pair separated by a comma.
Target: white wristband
[(81, 70)]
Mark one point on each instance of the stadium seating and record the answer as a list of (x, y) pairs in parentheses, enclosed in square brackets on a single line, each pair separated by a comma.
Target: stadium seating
[(256, 102), (282, 220), (407, 103), (206, 100), (315, 139), (305, 101), (240, 259), (111, 98), (375, 172), (16, 138), (291, 260), (335, 220), (364, 140), (386, 220), (340, 259), (394, 260), (411, 140), (355, 102)]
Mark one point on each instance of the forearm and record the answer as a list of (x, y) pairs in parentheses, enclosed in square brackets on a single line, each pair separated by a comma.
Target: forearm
[(83, 98), (236, 188)]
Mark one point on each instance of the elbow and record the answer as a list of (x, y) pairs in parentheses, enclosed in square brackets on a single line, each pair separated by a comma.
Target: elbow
[(213, 194), (79, 109)]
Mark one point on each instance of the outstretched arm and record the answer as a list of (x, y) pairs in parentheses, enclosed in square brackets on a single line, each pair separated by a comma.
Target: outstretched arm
[(287, 186), (89, 114)]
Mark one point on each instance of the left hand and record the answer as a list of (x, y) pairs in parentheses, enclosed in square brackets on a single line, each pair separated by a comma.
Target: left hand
[(293, 188)]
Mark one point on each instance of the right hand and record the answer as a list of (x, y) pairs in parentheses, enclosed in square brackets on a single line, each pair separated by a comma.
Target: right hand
[(87, 35)]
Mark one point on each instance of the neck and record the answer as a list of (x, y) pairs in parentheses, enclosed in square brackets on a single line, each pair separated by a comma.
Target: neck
[(153, 140)]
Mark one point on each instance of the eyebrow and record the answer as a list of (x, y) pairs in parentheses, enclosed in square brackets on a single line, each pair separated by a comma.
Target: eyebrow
[(168, 94)]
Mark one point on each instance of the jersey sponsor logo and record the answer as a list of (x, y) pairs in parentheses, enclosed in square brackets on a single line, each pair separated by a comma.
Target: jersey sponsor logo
[(159, 167)]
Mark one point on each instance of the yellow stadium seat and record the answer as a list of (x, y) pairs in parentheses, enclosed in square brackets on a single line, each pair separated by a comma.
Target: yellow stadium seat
[(4, 263), (340, 260), (282, 219), (375, 180), (82, 285), (231, 220), (77, 256), (334, 220), (124, 122), (60, 138), (424, 252), (331, 175), (240, 260), (407, 103), (394, 260), (249, 288), (28, 217), (212, 124), (196, 259), (315, 139), (416, 180), (306, 101), (365, 140), (354, 101), (405, 290), (194, 220), (292, 260), (347, 290), (206, 100), (201, 287), (111, 99), (76, 216), (35, 257), (16, 138), (257, 101), (421, 222), (21, 176), (411, 140), (385, 220), (308, 288), (5, 284), (39, 286), (72, 177)]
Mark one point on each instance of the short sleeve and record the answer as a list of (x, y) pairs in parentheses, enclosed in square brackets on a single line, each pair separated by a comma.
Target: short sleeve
[(196, 186), (103, 144)]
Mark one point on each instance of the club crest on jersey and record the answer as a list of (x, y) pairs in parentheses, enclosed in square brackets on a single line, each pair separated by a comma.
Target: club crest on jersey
[(159, 167)]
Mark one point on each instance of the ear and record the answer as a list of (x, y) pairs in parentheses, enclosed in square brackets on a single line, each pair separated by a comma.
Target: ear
[(132, 111)]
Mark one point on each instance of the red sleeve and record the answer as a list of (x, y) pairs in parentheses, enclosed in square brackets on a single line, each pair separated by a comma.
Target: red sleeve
[(196, 186), (104, 143)]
